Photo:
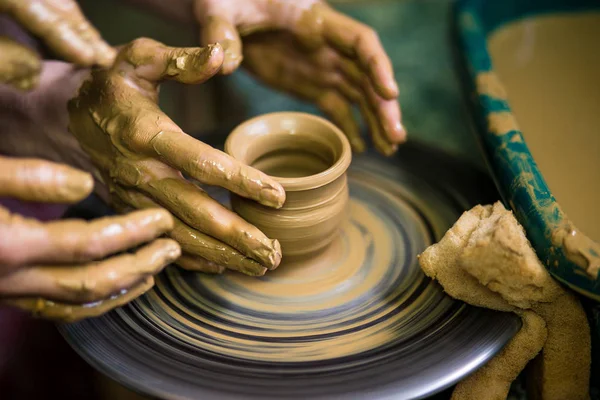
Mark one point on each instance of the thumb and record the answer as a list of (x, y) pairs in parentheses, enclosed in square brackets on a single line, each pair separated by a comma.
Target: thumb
[(221, 30), (44, 181), (154, 62)]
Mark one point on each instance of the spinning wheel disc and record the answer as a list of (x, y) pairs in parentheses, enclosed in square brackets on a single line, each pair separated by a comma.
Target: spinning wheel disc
[(360, 319)]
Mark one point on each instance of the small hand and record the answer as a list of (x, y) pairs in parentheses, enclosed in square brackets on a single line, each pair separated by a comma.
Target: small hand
[(59, 269), (62, 26), (141, 154), (310, 50)]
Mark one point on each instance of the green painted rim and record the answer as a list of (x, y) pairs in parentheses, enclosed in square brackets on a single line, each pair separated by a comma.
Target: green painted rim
[(517, 176)]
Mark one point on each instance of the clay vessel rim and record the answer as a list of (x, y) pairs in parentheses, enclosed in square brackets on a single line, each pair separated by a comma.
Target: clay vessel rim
[(305, 182)]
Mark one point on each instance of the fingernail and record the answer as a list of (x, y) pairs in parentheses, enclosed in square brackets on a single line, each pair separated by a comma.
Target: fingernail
[(105, 54), (272, 196), (230, 65), (160, 219), (394, 89), (388, 149), (254, 271), (171, 252), (275, 254), (85, 55), (78, 185), (219, 269), (269, 254), (212, 50), (397, 133)]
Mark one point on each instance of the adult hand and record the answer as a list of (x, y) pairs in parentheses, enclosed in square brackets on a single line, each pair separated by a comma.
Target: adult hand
[(141, 154), (62, 26), (310, 50), (64, 269)]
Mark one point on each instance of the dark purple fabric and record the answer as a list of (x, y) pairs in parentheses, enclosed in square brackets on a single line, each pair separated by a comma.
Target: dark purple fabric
[(41, 211)]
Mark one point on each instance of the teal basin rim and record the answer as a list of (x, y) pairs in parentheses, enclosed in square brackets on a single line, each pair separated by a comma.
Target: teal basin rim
[(568, 254)]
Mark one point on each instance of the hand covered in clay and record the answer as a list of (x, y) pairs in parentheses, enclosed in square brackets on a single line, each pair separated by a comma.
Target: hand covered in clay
[(142, 154), (67, 270), (308, 49), (62, 26)]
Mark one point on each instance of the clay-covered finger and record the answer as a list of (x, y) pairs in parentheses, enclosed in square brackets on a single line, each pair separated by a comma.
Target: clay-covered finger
[(63, 27), (200, 244), (63, 312), (44, 181), (197, 209), (214, 167), (356, 40), (92, 282), (379, 141), (28, 241), (199, 264), (388, 114), (340, 112), (386, 111), (153, 61), (196, 243), (104, 54), (217, 29)]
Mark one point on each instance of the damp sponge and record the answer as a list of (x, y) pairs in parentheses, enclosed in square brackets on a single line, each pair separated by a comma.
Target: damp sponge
[(486, 260)]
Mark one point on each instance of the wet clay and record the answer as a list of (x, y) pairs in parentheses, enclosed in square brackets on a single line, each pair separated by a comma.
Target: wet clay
[(309, 157), (486, 260), (142, 154), (20, 65), (549, 67)]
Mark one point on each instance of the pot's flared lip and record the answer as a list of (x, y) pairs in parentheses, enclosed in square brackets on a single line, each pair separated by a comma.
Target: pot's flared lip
[(235, 146)]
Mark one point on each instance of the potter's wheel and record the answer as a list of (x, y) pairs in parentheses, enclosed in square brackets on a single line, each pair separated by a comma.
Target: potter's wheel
[(358, 321)]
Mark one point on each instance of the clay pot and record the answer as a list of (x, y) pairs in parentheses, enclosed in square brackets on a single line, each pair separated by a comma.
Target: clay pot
[(309, 157)]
